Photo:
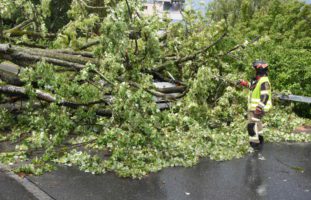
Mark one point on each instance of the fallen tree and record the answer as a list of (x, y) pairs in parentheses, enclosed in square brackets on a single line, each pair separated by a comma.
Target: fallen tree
[(73, 89), (9, 74), (22, 55), (10, 89), (64, 58)]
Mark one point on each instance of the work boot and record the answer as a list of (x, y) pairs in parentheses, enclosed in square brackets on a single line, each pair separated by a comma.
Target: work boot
[(261, 140)]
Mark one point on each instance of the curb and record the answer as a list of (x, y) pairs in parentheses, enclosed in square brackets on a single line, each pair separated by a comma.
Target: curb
[(31, 187)]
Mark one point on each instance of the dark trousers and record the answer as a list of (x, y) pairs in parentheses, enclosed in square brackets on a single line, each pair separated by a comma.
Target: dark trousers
[(254, 126)]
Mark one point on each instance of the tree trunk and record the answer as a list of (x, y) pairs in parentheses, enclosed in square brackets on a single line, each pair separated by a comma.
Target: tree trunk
[(63, 58), (15, 90), (9, 74)]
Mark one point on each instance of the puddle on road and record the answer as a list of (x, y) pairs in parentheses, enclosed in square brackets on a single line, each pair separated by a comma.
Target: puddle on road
[(262, 190)]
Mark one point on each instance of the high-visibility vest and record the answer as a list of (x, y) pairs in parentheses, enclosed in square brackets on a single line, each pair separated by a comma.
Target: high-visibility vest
[(254, 96)]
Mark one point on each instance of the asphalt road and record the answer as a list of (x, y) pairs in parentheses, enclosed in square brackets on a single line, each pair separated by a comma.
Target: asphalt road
[(12, 190), (280, 171)]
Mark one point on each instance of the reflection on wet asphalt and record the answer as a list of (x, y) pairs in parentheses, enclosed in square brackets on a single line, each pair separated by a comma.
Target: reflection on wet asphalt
[(253, 176), (274, 173)]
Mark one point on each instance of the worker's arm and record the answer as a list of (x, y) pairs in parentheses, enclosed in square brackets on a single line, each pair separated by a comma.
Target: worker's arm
[(264, 97)]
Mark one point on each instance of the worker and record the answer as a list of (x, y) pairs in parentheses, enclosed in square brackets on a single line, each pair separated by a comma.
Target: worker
[(259, 102)]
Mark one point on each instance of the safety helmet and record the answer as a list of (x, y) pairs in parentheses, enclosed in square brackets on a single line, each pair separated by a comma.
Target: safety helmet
[(261, 67), (260, 64)]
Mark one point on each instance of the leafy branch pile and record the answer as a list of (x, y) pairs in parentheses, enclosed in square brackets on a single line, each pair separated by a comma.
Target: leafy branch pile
[(81, 92)]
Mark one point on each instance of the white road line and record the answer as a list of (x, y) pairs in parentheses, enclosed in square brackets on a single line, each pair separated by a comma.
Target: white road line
[(28, 185)]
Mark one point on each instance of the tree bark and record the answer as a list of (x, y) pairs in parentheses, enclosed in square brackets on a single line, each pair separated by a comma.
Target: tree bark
[(10, 79), (20, 26), (63, 58), (21, 57), (90, 44), (169, 97), (34, 35), (77, 53), (57, 54), (177, 89), (11, 89), (9, 73)]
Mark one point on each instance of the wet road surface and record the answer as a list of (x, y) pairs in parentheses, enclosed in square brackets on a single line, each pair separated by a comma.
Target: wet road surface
[(280, 171), (12, 190)]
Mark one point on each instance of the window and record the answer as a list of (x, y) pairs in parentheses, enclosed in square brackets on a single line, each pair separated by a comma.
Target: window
[(167, 6)]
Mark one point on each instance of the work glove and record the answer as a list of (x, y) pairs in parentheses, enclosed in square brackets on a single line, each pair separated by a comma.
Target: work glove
[(243, 83), (258, 111)]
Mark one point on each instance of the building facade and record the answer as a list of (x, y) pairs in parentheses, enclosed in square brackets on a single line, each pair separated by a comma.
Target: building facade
[(169, 7)]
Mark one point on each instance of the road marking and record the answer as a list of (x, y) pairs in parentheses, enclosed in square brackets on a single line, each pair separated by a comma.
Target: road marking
[(27, 184)]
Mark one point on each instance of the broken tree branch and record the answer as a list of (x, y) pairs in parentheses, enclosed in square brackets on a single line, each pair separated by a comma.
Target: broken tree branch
[(240, 46), (188, 58), (129, 9), (57, 54), (20, 26), (9, 74), (90, 44), (168, 97), (21, 55), (78, 53), (11, 89), (33, 58), (34, 35), (177, 89)]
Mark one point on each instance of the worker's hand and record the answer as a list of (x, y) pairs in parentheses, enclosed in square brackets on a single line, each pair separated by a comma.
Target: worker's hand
[(258, 111), (243, 83)]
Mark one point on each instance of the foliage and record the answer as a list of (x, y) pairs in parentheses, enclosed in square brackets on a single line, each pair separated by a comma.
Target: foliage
[(284, 40), (139, 138)]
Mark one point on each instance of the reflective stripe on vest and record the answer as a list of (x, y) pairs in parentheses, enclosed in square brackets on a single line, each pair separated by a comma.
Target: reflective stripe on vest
[(254, 96)]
